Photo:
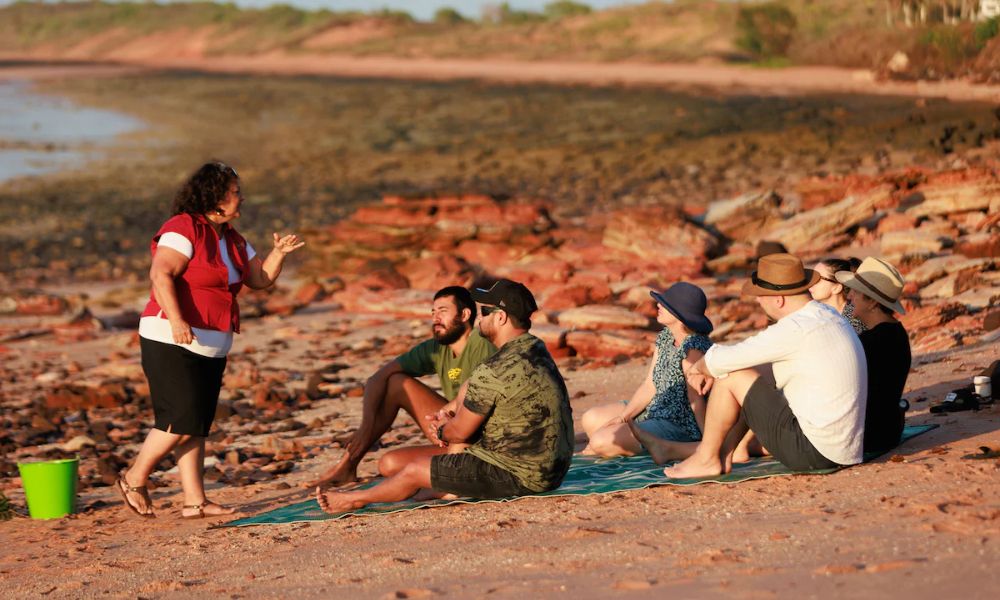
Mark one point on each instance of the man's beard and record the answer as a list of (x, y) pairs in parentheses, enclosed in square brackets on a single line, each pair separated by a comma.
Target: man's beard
[(451, 334), (489, 334)]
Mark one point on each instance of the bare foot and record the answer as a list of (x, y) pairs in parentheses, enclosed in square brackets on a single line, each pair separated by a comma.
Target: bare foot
[(695, 466), (341, 473), (662, 451), (336, 502), (588, 451), (425, 495), (206, 509)]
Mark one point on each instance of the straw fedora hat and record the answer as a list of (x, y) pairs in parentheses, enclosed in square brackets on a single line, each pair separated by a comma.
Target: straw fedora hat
[(878, 280), (780, 275)]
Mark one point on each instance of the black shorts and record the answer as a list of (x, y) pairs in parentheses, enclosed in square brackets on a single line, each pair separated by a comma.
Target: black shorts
[(183, 386), (767, 413), (466, 475)]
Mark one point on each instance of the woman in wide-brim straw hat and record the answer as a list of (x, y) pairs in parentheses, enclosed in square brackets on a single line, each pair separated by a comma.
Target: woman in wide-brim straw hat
[(666, 413), (875, 290)]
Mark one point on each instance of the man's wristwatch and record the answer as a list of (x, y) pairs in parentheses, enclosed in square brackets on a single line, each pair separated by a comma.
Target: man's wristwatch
[(440, 434)]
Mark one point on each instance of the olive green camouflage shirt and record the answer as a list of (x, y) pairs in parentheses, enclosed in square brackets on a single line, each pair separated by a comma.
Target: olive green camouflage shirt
[(529, 423)]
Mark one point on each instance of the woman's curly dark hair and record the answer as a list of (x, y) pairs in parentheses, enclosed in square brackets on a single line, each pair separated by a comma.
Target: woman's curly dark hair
[(205, 189)]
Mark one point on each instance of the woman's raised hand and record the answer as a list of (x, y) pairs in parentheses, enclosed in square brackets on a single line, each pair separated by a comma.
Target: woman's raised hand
[(287, 244)]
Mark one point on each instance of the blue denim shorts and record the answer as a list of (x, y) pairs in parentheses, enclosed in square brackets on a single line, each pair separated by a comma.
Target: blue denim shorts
[(666, 430)]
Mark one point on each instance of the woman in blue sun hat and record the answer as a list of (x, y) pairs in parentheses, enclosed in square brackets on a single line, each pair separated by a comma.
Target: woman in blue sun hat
[(668, 405)]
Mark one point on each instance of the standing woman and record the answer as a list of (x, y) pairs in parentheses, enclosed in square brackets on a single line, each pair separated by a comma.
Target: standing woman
[(831, 292), (200, 262)]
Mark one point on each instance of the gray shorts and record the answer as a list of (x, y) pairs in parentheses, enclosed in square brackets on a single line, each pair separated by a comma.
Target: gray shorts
[(768, 415)]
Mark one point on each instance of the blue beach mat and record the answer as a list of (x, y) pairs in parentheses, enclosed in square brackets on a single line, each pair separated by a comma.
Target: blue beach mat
[(587, 475)]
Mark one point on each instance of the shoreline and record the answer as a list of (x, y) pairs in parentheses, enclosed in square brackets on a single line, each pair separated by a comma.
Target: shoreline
[(787, 81)]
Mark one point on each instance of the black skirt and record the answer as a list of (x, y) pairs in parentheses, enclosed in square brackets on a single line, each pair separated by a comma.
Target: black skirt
[(184, 387)]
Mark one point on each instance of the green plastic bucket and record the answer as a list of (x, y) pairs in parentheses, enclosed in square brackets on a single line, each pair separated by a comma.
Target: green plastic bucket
[(50, 487)]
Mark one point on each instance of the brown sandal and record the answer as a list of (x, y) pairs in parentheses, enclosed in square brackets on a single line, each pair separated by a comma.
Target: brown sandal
[(124, 489)]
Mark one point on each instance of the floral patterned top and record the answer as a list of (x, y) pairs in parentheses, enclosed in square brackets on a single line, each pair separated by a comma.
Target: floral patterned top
[(670, 401), (855, 322)]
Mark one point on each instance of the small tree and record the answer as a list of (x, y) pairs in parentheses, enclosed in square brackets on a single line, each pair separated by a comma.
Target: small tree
[(987, 30), (565, 8), (765, 30), (505, 15), (448, 16)]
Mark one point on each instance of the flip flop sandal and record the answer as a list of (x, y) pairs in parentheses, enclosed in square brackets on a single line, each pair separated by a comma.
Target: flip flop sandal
[(124, 489), (957, 401)]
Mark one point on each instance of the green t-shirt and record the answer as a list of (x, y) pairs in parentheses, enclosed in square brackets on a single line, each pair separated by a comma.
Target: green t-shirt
[(529, 423), (430, 357)]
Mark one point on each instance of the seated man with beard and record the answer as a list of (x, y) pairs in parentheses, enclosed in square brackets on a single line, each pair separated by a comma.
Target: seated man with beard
[(453, 353), (516, 410)]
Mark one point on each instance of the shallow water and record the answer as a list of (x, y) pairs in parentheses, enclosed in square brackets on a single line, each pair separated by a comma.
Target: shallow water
[(42, 134)]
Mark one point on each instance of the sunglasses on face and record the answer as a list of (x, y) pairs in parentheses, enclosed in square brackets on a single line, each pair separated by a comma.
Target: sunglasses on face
[(488, 310), (830, 279)]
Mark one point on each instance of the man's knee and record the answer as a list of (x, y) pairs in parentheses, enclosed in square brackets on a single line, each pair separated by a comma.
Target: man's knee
[(738, 383), (417, 472), (399, 383), (390, 464)]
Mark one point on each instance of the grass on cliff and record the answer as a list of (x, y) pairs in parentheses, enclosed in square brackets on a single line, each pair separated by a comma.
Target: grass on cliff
[(680, 30)]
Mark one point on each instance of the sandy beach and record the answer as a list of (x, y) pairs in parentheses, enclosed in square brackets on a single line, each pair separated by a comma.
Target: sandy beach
[(917, 523), (724, 78)]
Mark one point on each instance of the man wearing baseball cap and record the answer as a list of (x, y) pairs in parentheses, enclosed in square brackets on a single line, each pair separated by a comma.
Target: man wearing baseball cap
[(799, 385), (517, 403)]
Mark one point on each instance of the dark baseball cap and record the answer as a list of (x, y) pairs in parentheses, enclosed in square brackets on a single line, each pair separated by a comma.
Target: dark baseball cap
[(513, 297)]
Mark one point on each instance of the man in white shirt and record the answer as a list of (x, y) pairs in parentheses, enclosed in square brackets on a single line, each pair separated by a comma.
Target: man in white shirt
[(799, 385)]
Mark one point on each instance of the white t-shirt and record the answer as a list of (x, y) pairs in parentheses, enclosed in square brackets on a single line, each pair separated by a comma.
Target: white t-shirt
[(819, 365), (207, 342)]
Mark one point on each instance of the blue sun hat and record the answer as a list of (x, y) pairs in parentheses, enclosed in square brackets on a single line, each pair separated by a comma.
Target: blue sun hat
[(687, 302)]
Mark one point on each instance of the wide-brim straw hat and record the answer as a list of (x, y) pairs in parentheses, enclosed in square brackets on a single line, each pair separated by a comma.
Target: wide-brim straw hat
[(780, 275), (878, 280)]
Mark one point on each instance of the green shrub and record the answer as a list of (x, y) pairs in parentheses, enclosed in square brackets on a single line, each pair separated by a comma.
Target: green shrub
[(448, 16), (565, 8), (950, 44), (987, 30), (505, 15), (396, 16), (283, 16), (765, 30)]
